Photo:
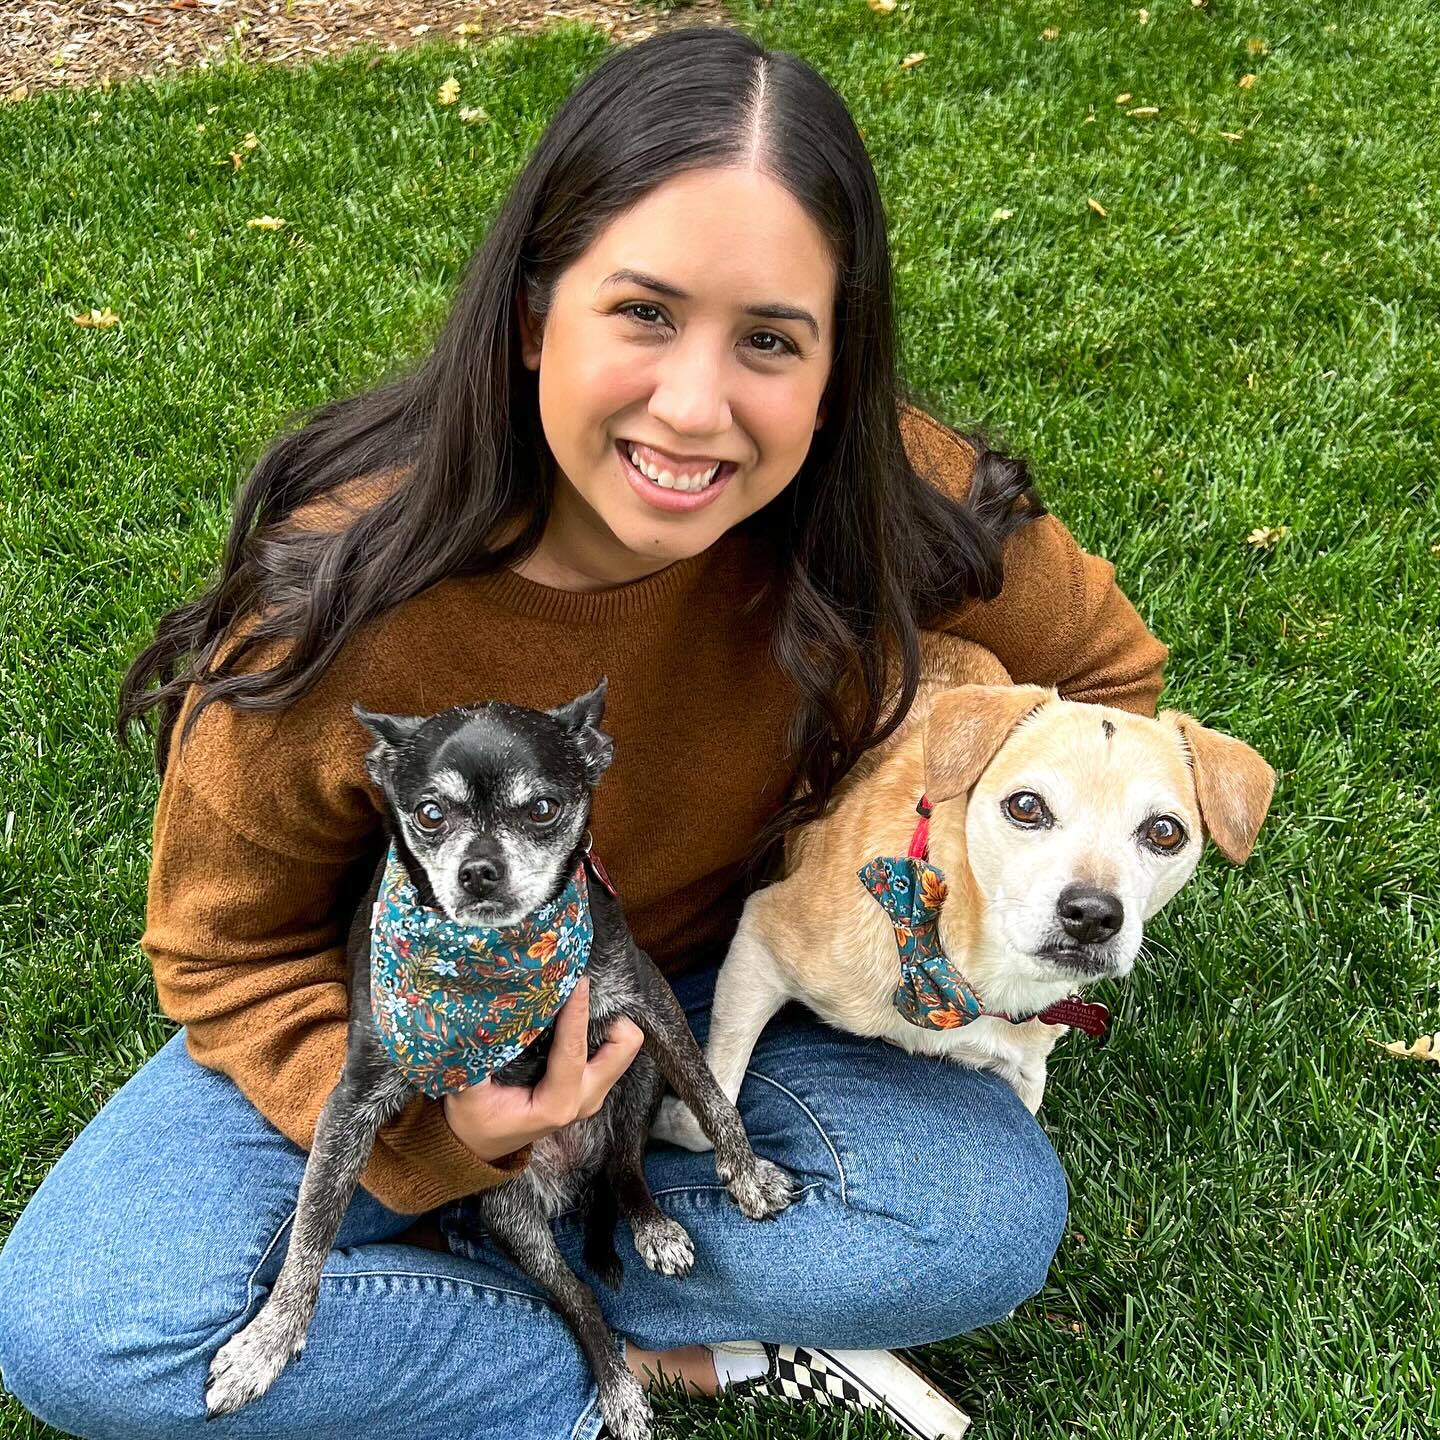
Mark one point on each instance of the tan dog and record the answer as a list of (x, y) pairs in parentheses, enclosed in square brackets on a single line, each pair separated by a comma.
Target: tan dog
[(1059, 827)]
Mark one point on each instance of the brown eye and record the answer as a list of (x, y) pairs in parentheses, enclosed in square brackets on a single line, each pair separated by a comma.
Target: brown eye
[(544, 811), (429, 816), (1165, 833), (1027, 809)]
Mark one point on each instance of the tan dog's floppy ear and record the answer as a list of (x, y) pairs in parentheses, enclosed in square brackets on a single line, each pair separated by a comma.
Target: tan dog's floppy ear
[(1233, 784), (965, 729)]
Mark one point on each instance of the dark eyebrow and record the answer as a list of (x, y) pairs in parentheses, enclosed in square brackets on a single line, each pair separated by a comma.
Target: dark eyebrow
[(768, 312)]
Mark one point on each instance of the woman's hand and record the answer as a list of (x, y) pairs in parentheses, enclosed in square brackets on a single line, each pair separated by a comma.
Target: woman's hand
[(492, 1120)]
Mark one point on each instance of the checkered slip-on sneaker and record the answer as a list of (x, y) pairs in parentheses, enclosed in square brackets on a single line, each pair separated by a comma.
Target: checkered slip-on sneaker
[(878, 1379)]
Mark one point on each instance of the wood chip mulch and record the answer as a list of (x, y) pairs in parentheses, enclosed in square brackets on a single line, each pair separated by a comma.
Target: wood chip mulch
[(67, 44)]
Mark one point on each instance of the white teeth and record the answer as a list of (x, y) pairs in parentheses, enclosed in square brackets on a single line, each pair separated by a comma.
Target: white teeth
[(668, 481)]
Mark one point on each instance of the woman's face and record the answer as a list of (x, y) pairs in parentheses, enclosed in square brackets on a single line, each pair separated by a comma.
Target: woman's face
[(654, 346)]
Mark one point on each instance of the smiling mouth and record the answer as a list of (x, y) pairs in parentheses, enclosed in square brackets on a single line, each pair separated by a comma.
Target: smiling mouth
[(689, 481)]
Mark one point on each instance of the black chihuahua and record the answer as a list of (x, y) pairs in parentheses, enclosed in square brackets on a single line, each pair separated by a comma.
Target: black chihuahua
[(486, 808)]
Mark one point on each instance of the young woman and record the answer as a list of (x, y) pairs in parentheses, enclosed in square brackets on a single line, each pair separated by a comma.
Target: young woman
[(661, 438)]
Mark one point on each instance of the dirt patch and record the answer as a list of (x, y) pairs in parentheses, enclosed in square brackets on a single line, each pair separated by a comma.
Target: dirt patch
[(60, 44)]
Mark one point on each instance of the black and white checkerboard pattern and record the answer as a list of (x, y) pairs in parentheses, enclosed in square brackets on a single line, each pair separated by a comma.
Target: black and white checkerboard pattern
[(801, 1374)]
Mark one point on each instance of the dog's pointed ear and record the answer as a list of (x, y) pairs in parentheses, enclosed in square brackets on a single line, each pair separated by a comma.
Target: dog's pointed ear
[(1233, 784), (391, 733), (965, 729), (582, 717)]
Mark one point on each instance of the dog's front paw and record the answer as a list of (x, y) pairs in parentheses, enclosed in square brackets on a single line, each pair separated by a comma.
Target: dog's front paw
[(626, 1410), (665, 1246), (762, 1189), (678, 1125), (247, 1365)]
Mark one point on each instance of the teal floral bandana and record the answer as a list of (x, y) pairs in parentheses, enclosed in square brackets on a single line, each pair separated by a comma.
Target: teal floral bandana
[(452, 1003), (932, 993)]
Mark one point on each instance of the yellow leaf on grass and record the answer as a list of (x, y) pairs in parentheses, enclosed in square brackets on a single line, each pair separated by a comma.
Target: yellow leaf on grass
[(1050, 32), (1144, 110), (1255, 45), (1005, 215), (1435, 549), (882, 7), (1143, 16), (1427, 1047), (466, 28), (1247, 82), (1121, 99), (1096, 206), (449, 91), (266, 222), (474, 115), (912, 60), (97, 319), (1264, 536), (1232, 135), (250, 141)]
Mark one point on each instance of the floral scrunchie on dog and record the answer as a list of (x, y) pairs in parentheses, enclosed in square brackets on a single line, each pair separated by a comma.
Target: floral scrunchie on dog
[(932, 993), (452, 1003)]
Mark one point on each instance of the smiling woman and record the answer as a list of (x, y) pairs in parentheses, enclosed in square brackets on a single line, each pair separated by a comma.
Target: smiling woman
[(661, 438)]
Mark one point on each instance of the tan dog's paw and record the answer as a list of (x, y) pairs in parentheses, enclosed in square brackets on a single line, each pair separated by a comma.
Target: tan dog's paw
[(676, 1124)]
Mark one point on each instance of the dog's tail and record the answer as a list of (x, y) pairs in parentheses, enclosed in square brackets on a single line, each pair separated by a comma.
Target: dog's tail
[(602, 1215)]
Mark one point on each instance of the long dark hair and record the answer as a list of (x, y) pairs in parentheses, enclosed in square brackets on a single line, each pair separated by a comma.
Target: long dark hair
[(866, 550)]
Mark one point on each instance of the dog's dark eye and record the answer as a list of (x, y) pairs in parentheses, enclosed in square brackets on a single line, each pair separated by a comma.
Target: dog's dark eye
[(429, 816), (544, 811), (1027, 809), (1164, 833)]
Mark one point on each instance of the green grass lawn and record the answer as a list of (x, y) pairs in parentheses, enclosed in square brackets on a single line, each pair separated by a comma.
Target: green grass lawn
[(1248, 337)]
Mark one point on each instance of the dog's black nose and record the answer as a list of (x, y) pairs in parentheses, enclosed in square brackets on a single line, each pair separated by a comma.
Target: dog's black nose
[(479, 877), (1089, 915)]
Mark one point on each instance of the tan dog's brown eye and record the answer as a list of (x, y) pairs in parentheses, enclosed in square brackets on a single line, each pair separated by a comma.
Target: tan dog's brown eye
[(1026, 808), (1164, 832), (544, 811), (429, 816)]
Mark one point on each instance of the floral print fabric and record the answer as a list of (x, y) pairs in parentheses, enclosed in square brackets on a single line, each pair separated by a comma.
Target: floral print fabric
[(932, 993), (451, 1002)]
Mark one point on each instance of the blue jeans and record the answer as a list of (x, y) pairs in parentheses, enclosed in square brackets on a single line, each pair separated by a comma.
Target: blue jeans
[(932, 1203)]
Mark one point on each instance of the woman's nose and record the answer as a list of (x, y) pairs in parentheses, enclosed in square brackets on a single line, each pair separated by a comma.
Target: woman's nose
[(689, 395)]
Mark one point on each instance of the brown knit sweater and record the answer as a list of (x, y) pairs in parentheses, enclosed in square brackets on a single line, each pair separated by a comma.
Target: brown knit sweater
[(267, 828)]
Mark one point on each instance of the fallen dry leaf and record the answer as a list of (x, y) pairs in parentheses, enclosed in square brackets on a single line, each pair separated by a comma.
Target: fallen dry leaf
[(17, 94), (250, 141), (1435, 549), (466, 28), (1247, 82), (1232, 135), (882, 7), (449, 91), (97, 319), (912, 60), (1050, 32), (1006, 214), (1264, 536), (474, 115), (1121, 99), (236, 159), (1096, 206), (1144, 110), (1427, 1047), (1255, 45), (1143, 16), (266, 222)]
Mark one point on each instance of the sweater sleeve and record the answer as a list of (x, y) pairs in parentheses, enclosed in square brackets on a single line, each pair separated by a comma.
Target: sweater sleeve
[(1060, 619), (245, 933)]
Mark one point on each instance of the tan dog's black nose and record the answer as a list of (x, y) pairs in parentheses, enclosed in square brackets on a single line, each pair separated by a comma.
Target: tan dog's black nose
[(1089, 915), (479, 877)]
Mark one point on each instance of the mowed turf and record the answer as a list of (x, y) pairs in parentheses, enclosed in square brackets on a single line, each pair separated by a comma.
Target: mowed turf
[(1197, 324)]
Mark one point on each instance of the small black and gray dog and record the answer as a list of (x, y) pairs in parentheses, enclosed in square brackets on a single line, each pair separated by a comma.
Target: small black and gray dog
[(489, 771)]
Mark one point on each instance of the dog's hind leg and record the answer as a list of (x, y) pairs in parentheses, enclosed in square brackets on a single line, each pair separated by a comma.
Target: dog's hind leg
[(522, 1232), (247, 1364), (750, 989)]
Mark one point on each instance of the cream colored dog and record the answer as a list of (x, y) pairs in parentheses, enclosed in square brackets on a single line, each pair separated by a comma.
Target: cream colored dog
[(1059, 828)]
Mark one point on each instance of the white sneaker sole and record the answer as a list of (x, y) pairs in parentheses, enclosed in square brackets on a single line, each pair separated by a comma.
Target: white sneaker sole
[(908, 1396)]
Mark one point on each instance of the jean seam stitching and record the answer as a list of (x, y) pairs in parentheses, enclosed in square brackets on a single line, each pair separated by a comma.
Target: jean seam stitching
[(264, 1256), (819, 1129), (432, 1275)]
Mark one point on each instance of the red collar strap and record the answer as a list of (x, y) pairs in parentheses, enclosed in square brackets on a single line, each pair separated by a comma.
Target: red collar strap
[(1087, 1015)]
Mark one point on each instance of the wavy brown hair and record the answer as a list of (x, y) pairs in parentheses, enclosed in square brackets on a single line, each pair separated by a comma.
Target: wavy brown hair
[(866, 550)]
